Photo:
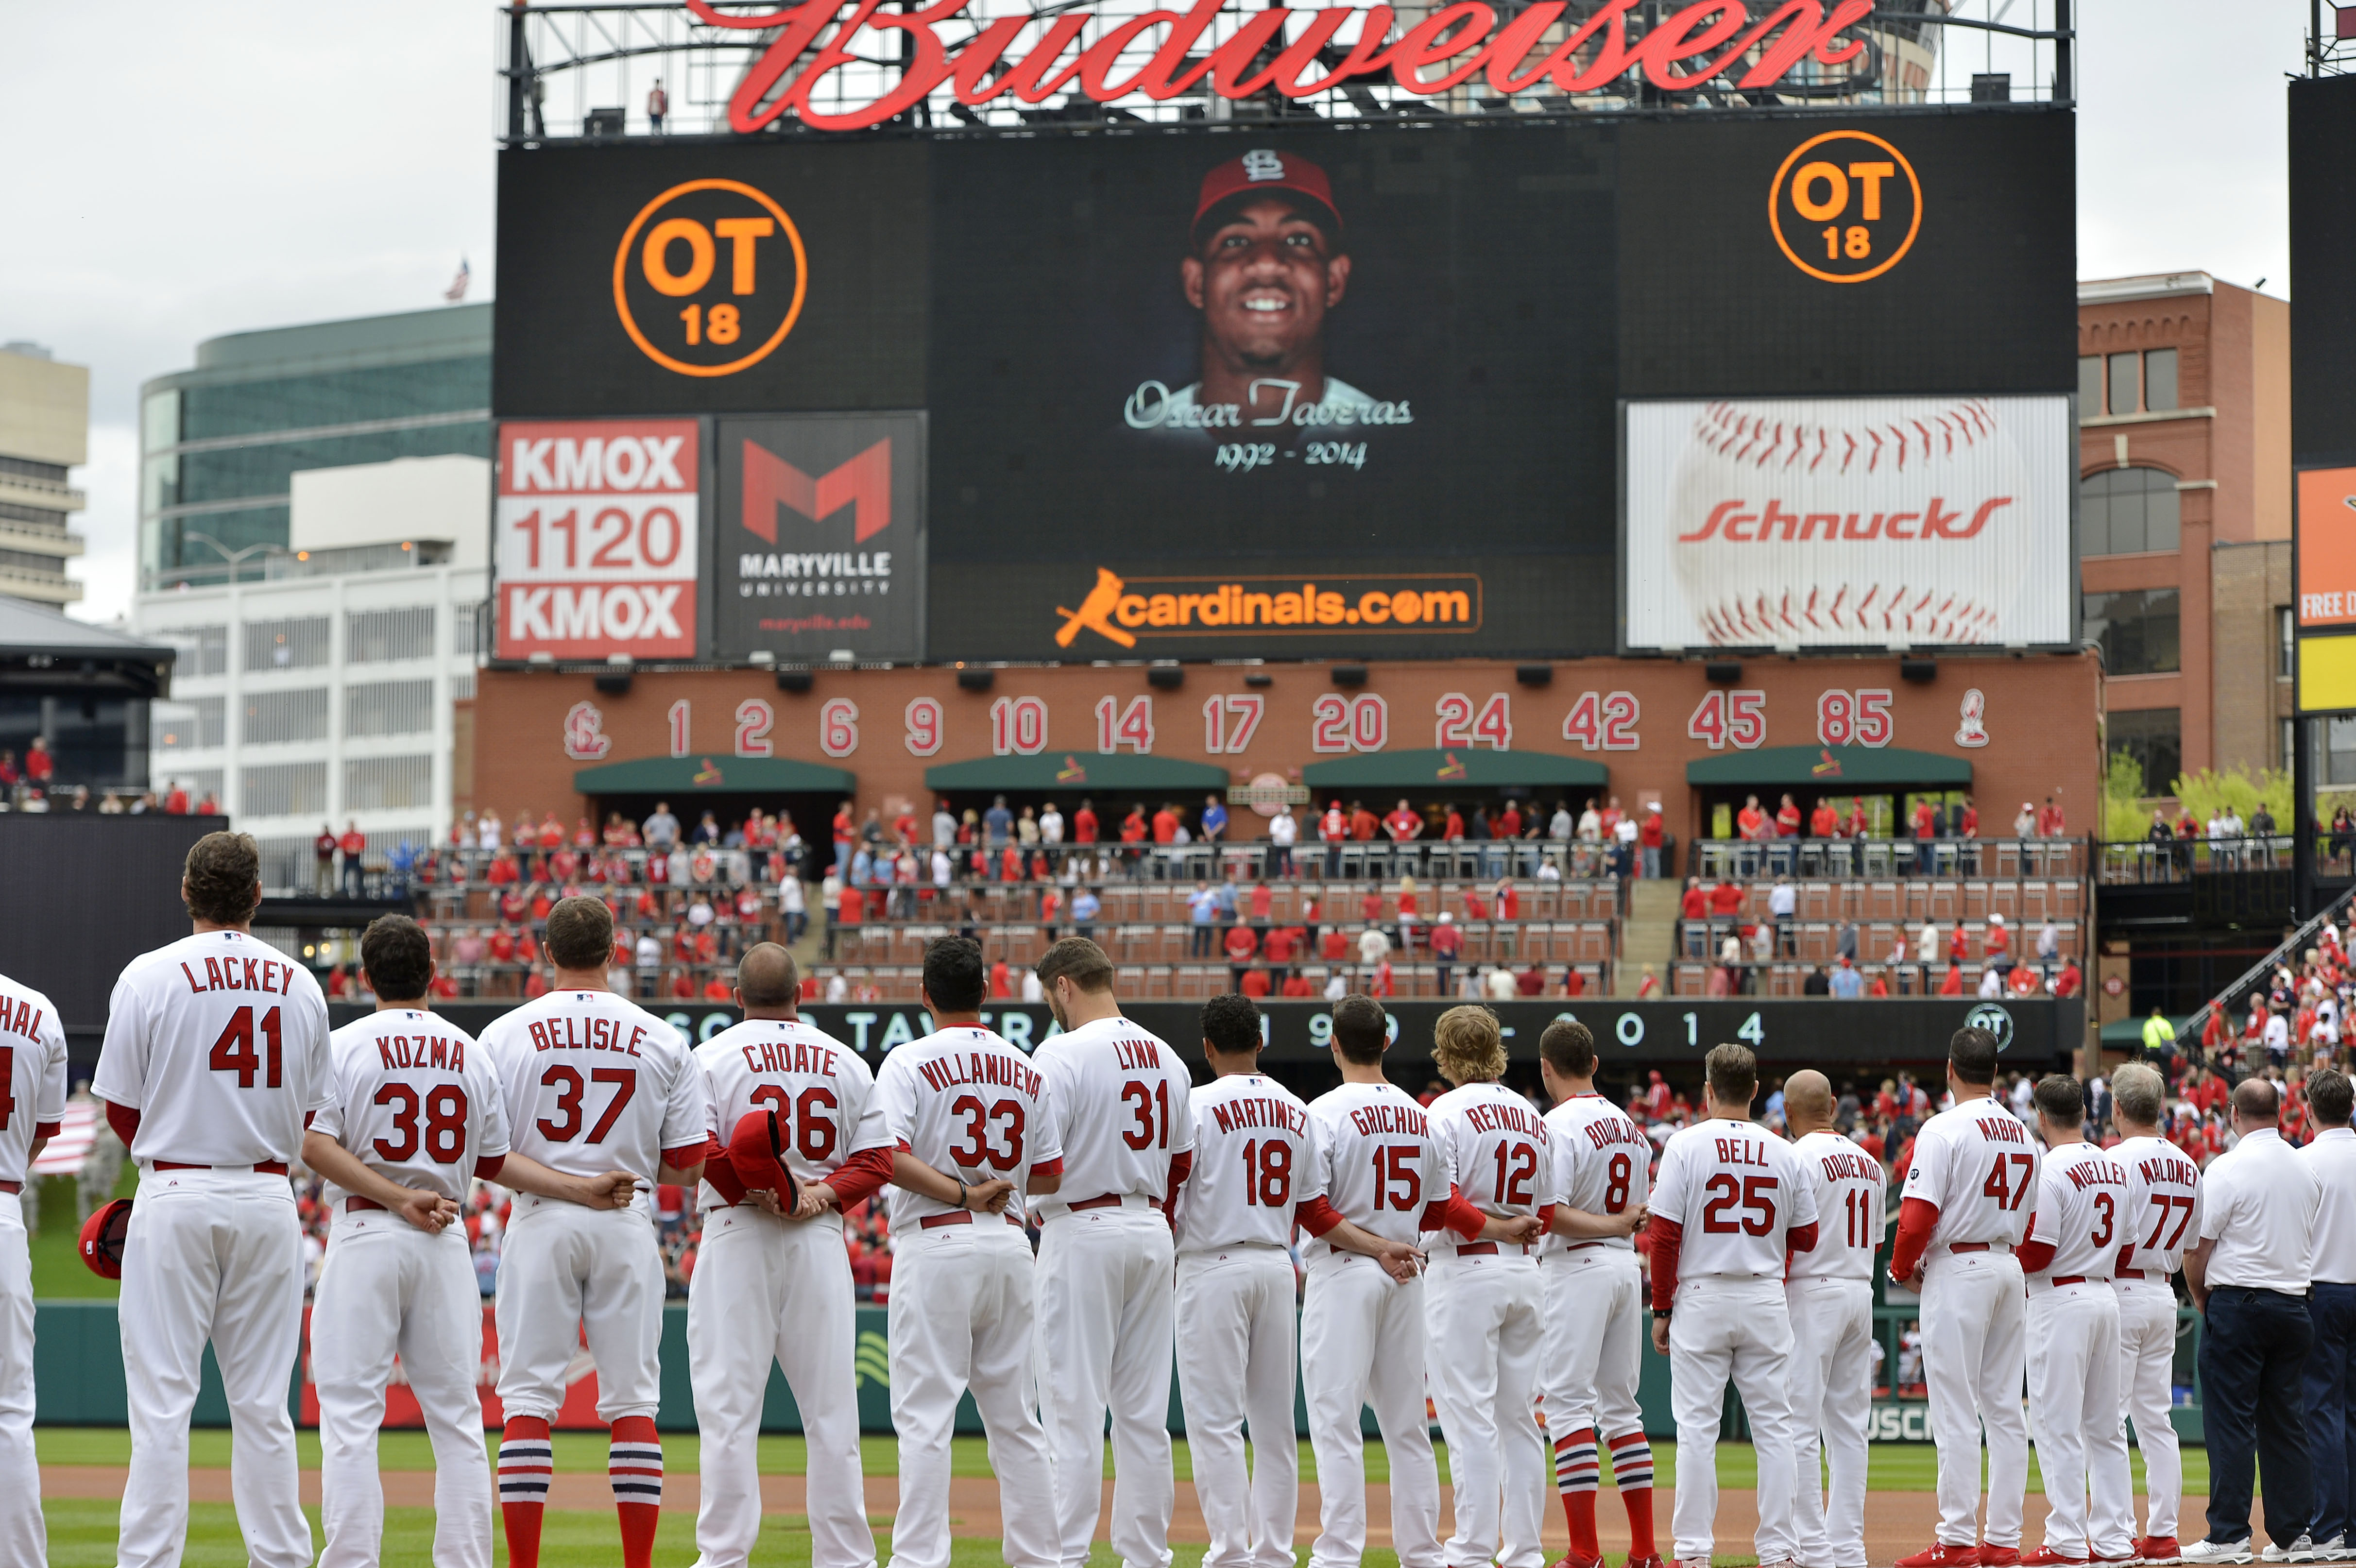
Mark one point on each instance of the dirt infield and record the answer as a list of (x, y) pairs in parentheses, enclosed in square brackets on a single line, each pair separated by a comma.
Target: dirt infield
[(1896, 1524)]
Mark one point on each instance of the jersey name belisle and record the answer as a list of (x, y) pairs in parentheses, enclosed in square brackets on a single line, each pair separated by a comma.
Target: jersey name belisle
[(415, 1100), (593, 1083)]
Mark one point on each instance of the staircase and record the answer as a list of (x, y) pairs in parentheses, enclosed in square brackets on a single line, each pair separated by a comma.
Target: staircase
[(1649, 935)]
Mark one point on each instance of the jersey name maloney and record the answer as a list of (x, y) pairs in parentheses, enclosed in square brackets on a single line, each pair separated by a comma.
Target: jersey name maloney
[(2172, 1168)]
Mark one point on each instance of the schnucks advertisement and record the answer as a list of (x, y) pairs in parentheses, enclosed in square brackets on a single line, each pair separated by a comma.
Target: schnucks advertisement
[(1850, 522), (594, 548)]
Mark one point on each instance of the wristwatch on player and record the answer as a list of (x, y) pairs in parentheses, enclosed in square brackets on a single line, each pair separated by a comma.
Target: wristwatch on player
[(1661, 1314)]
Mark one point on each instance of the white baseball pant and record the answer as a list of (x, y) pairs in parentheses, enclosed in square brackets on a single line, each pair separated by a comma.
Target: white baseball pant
[(24, 1537), (1362, 1343), (2073, 1400), (212, 1255), (1832, 1404), (770, 1289), (1106, 1333), (1727, 1329), (961, 1319), (1235, 1365), (1974, 1360), (2147, 1390), (564, 1270), (1594, 1340), (1481, 1313), (389, 1288)]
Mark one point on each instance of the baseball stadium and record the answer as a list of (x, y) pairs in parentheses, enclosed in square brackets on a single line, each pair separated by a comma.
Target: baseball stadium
[(1043, 1058)]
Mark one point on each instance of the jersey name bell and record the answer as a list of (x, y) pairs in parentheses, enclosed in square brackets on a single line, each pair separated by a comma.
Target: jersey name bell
[(594, 1084), (1737, 1190), (1251, 1151), (1373, 1160), (1976, 1165), (220, 1044), (823, 1095), (415, 1100)]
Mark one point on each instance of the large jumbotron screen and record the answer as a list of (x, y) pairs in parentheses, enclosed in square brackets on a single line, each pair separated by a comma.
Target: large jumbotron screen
[(1319, 391)]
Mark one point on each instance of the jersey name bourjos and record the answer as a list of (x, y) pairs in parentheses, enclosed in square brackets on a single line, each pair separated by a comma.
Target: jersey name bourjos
[(1120, 1099), (415, 1100), (219, 1042), (1373, 1158), (1602, 1165), (1737, 1191), (2082, 1209), (1977, 1164), (971, 1106), (1851, 1195), (822, 1093), (32, 1073), (2162, 1217), (1252, 1148), (593, 1083), (1493, 1148)]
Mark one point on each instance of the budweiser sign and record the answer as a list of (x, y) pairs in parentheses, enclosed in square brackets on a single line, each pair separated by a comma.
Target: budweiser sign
[(1699, 42)]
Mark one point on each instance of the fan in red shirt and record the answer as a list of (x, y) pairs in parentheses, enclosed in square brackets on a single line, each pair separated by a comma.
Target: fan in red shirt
[(1402, 824), (1747, 821), (1824, 822), (1255, 983), (1787, 818), (1953, 985), (1509, 903), (1971, 823), (1241, 945), (1694, 905), (2048, 819), (1858, 825), (1333, 945), (1370, 907), (1298, 985), (1165, 827), (1454, 831), (1363, 826), (1132, 826), (1725, 901), (1084, 824), (1657, 1096), (1926, 819), (1508, 822)]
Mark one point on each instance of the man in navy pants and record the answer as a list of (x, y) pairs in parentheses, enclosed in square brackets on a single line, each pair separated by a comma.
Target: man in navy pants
[(2331, 1306)]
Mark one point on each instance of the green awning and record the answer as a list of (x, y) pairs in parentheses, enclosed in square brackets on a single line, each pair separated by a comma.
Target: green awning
[(705, 774), (1816, 767), (1117, 771), (1459, 765)]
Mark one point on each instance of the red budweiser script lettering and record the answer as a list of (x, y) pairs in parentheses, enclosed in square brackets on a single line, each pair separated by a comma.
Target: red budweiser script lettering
[(1697, 43)]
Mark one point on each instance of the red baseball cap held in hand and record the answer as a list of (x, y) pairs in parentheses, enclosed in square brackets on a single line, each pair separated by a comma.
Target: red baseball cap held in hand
[(1264, 170), (754, 1150), (102, 1237)]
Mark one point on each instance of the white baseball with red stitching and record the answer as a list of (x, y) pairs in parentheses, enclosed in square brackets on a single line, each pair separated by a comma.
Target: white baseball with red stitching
[(1885, 519)]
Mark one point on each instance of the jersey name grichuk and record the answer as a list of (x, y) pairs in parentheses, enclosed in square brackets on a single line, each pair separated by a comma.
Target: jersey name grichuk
[(1373, 1121)]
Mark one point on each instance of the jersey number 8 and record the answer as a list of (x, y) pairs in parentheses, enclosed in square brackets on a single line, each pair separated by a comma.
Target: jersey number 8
[(446, 1124)]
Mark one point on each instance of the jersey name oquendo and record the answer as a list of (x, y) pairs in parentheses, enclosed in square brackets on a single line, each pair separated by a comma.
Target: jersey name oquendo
[(219, 1045), (1850, 1192), (2163, 1208), (2082, 1213), (1602, 1165), (416, 1101), (1731, 1203), (32, 1074), (969, 1105), (823, 1093), (594, 1084), (1119, 1097), (1252, 1148)]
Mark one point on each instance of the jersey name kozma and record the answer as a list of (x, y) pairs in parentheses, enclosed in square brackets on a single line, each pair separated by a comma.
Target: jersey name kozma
[(435, 1052)]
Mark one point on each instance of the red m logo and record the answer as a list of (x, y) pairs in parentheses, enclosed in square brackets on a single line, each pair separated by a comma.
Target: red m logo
[(865, 482)]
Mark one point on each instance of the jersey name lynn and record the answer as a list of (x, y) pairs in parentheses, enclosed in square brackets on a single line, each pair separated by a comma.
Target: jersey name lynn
[(594, 1032), (19, 1016), (266, 974), (1377, 1120), (1258, 1112), (992, 1071), (437, 1052)]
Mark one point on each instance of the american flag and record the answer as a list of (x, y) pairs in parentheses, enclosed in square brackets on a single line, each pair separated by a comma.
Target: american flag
[(458, 289)]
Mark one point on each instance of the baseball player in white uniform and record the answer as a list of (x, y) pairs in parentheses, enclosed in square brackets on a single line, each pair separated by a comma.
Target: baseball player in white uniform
[(1117, 1098), (1731, 1206), (416, 1116), (216, 1054), (1594, 1297), (591, 1083), (1969, 1194), (771, 1286), (1362, 1330), (1482, 1299), (2073, 1243), (971, 1135), (2162, 1219), (32, 1107), (1829, 1290), (1253, 1148)]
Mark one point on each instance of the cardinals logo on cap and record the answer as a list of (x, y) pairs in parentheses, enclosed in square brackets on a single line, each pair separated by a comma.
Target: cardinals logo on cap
[(1259, 164)]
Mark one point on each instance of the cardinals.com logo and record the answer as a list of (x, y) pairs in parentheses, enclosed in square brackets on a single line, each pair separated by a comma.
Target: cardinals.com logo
[(862, 485)]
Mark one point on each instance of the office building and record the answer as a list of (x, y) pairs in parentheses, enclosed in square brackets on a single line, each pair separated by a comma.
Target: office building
[(44, 434)]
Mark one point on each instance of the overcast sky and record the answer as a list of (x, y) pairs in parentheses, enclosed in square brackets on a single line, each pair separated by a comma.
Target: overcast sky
[(182, 171)]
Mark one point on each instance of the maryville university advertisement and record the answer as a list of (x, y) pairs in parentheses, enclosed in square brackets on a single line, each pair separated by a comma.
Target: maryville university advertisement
[(1850, 522), (594, 539)]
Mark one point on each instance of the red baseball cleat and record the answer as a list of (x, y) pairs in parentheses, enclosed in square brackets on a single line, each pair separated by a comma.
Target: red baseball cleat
[(1636, 1561), (2159, 1550), (1999, 1557), (1572, 1560), (2046, 1557), (1944, 1554)]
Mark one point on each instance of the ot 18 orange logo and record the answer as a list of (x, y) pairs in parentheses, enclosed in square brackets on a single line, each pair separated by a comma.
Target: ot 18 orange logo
[(709, 278), (1845, 207)]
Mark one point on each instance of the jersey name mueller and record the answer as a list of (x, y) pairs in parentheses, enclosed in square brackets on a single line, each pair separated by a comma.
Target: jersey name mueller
[(1251, 1151), (2163, 1195), (1602, 1164), (1976, 1165), (2082, 1209)]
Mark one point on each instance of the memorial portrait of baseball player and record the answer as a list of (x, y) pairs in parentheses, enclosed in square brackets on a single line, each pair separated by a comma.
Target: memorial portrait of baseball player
[(1969, 1195), (1594, 1297), (1729, 1207), (216, 1053), (591, 1083), (773, 1284), (1267, 263), (415, 1118), (33, 1087)]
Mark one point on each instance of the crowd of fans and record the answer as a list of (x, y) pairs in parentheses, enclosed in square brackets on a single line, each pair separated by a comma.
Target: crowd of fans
[(31, 785)]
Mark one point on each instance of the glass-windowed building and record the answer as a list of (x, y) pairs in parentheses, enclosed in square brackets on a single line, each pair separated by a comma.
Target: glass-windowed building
[(220, 442)]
